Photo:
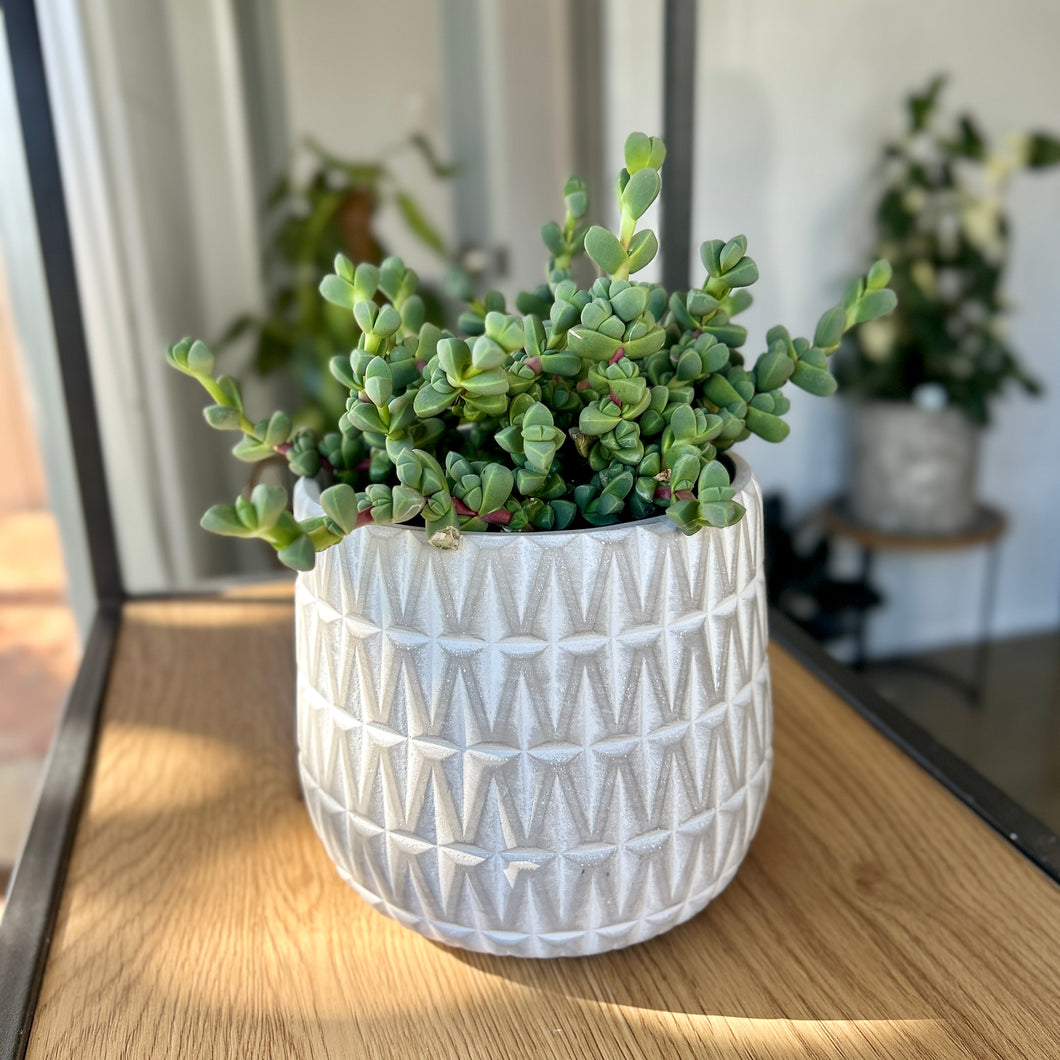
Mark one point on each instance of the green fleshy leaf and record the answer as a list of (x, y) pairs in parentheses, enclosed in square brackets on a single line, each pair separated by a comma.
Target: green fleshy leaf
[(817, 381), (641, 191), (830, 329), (875, 304), (604, 248), (642, 250), (222, 418), (300, 554), (222, 519), (338, 291)]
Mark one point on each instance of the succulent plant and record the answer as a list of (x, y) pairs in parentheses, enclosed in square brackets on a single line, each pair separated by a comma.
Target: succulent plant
[(941, 223), (573, 408)]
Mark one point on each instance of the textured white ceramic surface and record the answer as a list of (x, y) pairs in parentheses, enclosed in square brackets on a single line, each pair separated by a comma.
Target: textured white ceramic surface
[(914, 469), (539, 744)]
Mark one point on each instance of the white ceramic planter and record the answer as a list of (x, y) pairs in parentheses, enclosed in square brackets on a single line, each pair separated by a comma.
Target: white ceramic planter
[(914, 469), (539, 744)]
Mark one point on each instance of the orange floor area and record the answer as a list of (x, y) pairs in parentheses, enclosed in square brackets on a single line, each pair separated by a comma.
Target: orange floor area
[(39, 654)]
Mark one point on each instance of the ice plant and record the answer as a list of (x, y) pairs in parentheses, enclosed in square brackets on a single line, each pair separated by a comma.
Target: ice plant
[(572, 408)]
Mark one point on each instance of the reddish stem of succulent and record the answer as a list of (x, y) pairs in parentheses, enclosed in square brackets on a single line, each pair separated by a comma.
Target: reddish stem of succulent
[(534, 364), (617, 356), (364, 465), (501, 517), (616, 400), (664, 493)]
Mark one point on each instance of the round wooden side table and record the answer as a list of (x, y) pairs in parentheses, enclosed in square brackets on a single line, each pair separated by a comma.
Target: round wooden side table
[(985, 530)]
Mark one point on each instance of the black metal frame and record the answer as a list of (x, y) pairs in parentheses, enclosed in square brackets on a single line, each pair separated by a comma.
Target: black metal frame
[(33, 898), (679, 93), (1028, 834), (36, 885)]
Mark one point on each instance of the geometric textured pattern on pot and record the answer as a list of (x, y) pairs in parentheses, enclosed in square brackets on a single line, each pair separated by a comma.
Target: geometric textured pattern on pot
[(538, 744)]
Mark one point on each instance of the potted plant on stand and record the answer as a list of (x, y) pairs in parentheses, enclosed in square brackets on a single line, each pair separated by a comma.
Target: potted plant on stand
[(533, 691), (925, 376)]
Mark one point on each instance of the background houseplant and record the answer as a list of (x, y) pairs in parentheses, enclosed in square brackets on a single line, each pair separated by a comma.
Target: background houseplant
[(537, 743), (941, 223), (333, 211)]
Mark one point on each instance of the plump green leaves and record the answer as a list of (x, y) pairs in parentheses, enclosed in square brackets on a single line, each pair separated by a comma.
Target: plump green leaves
[(643, 152), (605, 250), (587, 407)]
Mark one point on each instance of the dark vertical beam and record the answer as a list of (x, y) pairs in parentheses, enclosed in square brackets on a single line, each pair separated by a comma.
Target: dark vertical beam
[(679, 83), (585, 18), (465, 90), (42, 157), (264, 89)]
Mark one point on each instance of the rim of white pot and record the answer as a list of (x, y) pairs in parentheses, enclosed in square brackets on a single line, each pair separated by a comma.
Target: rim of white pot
[(307, 506)]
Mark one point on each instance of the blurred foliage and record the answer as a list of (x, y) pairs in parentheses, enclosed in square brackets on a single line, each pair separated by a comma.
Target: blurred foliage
[(941, 224), (307, 224)]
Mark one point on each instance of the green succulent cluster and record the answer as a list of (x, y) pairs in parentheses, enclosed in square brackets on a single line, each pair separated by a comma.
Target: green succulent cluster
[(573, 408)]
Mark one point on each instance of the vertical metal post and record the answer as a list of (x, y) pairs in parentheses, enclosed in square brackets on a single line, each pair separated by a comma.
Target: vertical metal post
[(585, 18), (465, 88), (679, 83), (42, 157), (981, 664)]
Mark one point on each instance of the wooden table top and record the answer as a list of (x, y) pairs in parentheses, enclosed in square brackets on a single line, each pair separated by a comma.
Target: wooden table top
[(875, 915)]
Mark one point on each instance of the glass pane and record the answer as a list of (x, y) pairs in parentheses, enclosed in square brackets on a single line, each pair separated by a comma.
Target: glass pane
[(39, 644)]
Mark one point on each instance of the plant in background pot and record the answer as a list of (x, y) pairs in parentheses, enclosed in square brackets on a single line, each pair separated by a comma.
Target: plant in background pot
[(927, 374), (334, 210), (533, 693)]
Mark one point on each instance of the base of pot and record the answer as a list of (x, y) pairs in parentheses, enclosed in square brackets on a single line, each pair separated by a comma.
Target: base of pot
[(550, 944), (589, 931)]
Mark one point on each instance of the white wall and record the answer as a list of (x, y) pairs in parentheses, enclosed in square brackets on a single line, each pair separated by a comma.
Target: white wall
[(793, 102)]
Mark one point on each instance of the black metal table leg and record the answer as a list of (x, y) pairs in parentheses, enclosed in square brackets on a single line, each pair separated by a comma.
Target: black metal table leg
[(861, 628), (986, 614)]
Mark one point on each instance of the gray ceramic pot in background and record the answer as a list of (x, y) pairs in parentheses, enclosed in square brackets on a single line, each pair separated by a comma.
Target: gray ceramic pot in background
[(914, 469), (539, 744)]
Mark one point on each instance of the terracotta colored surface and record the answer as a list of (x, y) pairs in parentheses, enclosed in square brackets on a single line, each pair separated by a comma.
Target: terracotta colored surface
[(875, 915), (38, 639), (21, 479)]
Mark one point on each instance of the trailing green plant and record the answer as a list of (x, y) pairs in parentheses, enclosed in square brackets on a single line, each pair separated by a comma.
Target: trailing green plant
[(333, 211), (941, 223), (579, 408)]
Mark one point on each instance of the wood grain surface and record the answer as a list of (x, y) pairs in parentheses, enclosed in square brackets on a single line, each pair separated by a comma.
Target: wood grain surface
[(875, 915)]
